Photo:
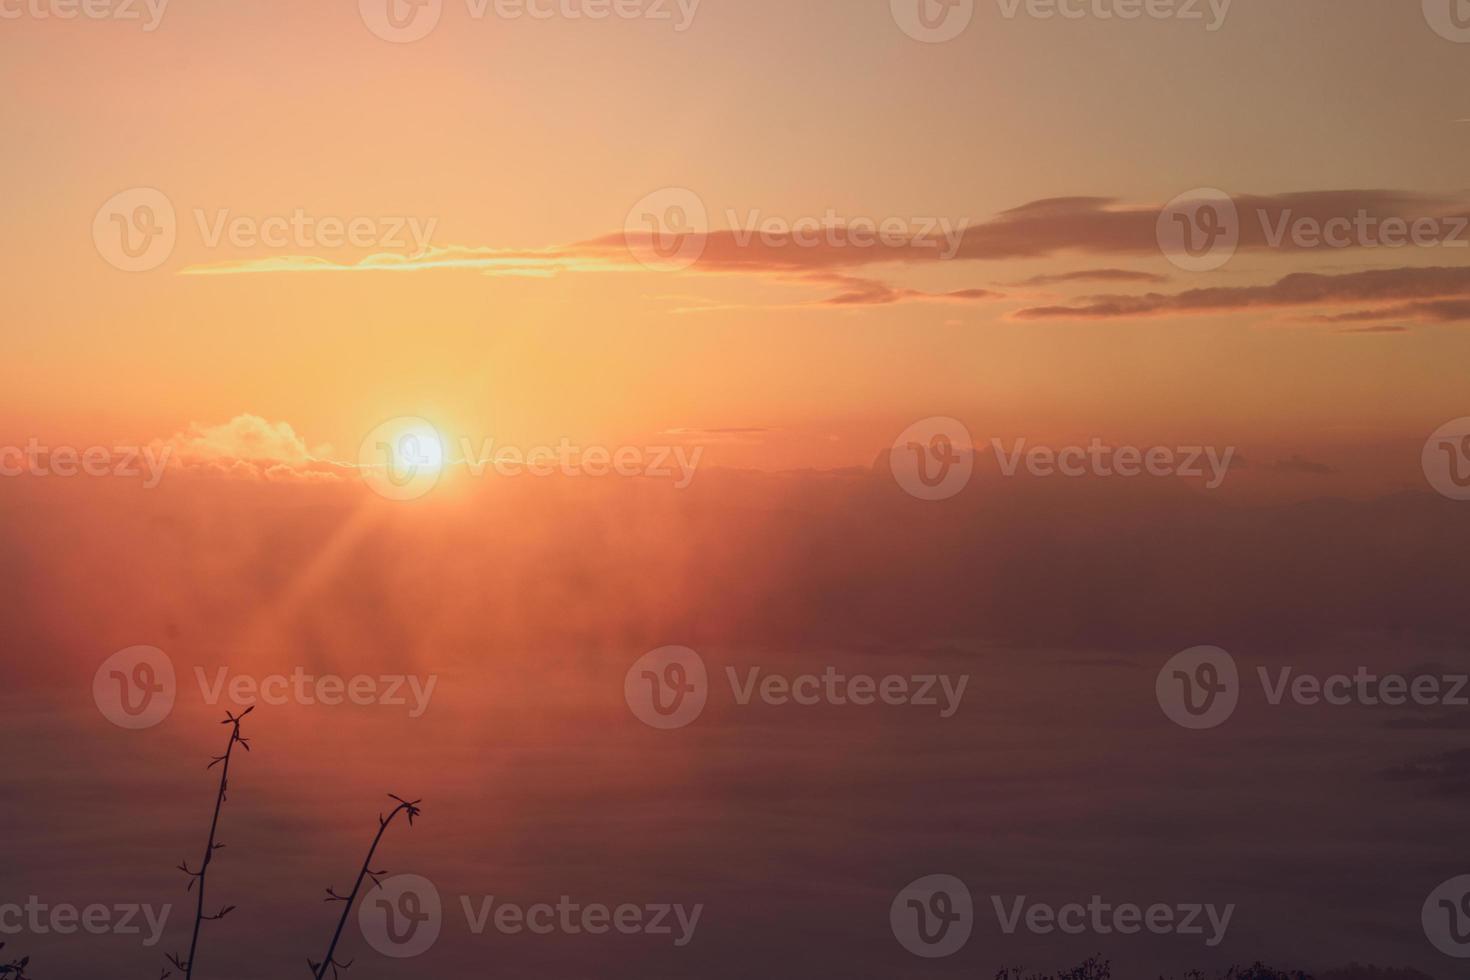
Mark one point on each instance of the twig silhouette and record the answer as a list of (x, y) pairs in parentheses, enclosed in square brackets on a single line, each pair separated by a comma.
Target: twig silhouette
[(319, 970), (15, 969), (198, 877)]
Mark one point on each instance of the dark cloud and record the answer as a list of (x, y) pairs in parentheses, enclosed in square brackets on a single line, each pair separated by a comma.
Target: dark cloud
[(1094, 275), (1297, 289)]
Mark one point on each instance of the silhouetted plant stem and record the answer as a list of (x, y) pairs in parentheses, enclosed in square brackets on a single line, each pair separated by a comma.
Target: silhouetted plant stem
[(198, 877), (15, 969), (319, 970)]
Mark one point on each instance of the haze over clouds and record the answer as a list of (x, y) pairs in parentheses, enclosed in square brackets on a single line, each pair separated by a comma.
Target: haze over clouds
[(490, 354)]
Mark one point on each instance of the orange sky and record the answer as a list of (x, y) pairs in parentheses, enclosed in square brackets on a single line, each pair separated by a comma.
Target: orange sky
[(493, 131), (261, 242)]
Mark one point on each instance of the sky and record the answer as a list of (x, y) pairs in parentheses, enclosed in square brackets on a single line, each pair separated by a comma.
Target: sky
[(503, 347), (540, 134)]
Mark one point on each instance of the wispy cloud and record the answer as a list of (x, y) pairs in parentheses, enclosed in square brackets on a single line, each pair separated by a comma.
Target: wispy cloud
[(1088, 226), (1420, 293), (1094, 275)]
